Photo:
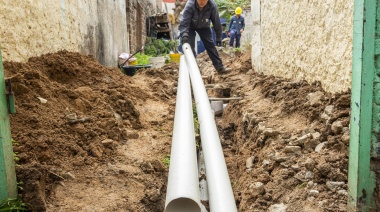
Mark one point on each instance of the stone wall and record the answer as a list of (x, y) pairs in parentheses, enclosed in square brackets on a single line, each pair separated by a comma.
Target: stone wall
[(31, 28), (302, 39)]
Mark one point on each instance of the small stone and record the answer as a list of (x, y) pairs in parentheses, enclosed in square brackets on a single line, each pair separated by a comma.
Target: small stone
[(316, 135), (333, 186), (300, 140), (309, 175), (337, 127), (278, 208), (310, 184), (315, 98), (249, 162), (319, 147), (292, 149), (107, 142), (69, 175), (342, 192), (257, 188), (266, 162), (324, 116), (313, 193), (278, 157), (310, 164), (329, 109), (345, 139)]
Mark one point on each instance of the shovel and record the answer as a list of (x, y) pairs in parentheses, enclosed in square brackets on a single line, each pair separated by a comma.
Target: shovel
[(121, 66)]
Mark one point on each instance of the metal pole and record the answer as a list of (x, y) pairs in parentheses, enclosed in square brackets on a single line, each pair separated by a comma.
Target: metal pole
[(219, 185), (8, 186), (361, 180), (183, 185)]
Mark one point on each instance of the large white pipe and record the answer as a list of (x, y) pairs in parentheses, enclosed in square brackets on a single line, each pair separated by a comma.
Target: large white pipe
[(219, 185), (183, 184)]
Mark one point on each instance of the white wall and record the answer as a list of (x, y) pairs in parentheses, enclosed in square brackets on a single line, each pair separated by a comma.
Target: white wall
[(31, 28), (304, 39)]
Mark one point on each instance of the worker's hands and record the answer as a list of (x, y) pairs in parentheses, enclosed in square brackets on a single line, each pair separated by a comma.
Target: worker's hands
[(241, 31), (218, 43), (185, 38)]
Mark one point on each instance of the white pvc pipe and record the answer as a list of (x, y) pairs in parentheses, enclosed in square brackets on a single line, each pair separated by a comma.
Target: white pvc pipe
[(183, 185), (219, 185)]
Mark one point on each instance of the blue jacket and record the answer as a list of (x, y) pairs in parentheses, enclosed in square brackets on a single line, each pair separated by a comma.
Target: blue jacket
[(237, 24), (195, 19)]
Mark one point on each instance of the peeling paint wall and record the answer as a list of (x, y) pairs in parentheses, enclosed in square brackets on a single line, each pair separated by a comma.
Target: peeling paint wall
[(304, 39), (31, 28)]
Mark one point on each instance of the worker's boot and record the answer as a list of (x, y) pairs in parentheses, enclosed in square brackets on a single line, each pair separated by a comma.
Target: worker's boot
[(224, 70)]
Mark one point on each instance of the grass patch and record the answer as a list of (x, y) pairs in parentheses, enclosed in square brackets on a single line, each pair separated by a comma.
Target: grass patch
[(13, 205)]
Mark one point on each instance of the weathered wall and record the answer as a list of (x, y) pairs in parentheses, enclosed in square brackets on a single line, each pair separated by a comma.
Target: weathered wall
[(305, 39), (246, 37), (31, 28)]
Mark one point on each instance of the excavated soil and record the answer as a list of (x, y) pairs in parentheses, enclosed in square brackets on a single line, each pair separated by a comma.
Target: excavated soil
[(99, 141)]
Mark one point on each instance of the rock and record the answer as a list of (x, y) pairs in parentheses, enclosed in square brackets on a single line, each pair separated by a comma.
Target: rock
[(249, 162), (270, 132), (324, 116), (333, 186), (313, 193), (257, 188), (107, 142), (315, 98), (316, 135), (345, 139), (301, 140), (278, 208), (69, 175), (96, 151), (42, 100), (337, 127), (278, 157), (329, 109), (310, 164), (309, 175), (319, 147), (310, 184), (342, 192), (266, 162), (292, 149)]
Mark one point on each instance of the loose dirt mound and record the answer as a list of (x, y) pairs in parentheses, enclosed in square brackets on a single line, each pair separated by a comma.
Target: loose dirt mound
[(73, 113), (286, 143)]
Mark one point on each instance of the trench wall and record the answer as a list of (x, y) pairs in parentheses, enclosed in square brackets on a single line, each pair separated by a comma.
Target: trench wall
[(304, 39)]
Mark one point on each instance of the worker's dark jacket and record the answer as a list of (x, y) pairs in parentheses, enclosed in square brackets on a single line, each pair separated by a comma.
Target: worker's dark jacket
[(237, 24), (196, 19)]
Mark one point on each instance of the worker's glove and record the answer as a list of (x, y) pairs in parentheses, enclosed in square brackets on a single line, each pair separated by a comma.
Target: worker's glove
[(219, 43), (185, 38)]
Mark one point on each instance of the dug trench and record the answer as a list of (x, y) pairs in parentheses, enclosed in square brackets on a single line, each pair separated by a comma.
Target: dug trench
[(89, 138)]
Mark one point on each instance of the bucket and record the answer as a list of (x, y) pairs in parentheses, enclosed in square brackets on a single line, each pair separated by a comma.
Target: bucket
[(175, 57), (157, 62), (133, 62)]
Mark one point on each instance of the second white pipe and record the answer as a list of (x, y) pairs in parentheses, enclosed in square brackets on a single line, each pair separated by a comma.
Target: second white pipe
[(221, 198)]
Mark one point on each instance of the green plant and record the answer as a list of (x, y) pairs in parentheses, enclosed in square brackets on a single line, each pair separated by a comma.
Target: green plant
[(13, 205), (166, 160), (227, 7), (195, 117), (157, 47), (142, 59)]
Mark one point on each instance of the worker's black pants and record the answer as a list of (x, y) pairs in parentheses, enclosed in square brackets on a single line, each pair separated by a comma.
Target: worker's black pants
[(208, 42)]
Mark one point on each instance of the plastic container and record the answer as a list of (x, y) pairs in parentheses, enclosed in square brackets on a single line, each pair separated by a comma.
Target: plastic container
[(157, 62), (217, 107), (175, 57), (133, 62)]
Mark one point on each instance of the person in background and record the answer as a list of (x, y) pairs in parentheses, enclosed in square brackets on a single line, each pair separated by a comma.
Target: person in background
[(197, 16), (236, 27)]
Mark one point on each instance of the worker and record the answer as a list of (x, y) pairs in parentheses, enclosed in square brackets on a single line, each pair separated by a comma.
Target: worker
[(197, 16), (236, 27)]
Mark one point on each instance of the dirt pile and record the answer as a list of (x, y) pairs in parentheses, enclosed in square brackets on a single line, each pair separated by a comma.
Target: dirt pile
[(74, 114), (285, 143)]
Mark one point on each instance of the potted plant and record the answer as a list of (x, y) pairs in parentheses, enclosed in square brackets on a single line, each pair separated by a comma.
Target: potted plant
[(157, 49)]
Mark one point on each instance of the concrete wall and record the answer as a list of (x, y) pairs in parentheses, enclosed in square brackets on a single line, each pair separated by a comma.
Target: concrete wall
[(304, 39), (31, 28)]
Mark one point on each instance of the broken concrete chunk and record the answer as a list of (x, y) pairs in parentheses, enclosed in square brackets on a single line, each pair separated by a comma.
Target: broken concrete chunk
[(313, 193), (278, 208), (333, 186), (300, 140), (257, 188)]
